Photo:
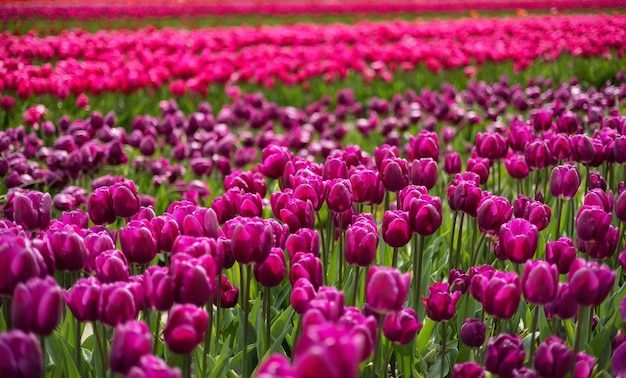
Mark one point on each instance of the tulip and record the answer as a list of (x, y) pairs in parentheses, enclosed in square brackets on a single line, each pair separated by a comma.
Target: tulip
[(396, 228), (117, 304), (504, 354), (452, 163), (21, 355), (553, 358), (276, 366), (100, 206), (159, 288), (361, 242), (111, 266), (441, 305), (252, 241), (402, 326), (518, 239), (298, 214), (464, 195), (480, 166), (564, 305), (541, 119), (590, 282), (306, 265), (582, 148), (562, 253), (32, 210), (516, 166), (468, 370), (502, 294), (367, 187), (83, 298), (272, 271), (473, 332), (618, 361), (599, 198), (386, 289), (364, 326), (68, 247), (138, 242), (425, 214), (539, 282), (601, 249), (193, 278), (584, 365), (494, 211), (491, 145), (274, 160), (424, 145), (423, 172), (228, 293), (125, 199), (302, 293), (152, 366), (334, 168), (131, 341), (303, 240), (36, 306), (19, 262), (339, 198), (185, 328)]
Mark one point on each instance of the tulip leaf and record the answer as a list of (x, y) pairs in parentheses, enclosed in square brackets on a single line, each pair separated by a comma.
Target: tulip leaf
[(601, 346), (282, 323), (61, 358), (219, 369), (423, 337)]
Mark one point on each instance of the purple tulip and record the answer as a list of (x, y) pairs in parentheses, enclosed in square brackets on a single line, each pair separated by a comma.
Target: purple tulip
[(339, 198), (564, 305), (541, 119), (298, 214), (272, 271), (480, 166), (131, 341), (402, 326), (125, 199), (618, 361), (274, 160), (582, 148), (396, 228), (386, 289), (425, 214), (553, 358), (363, 326), (493, 212), (32, 210), (21, 355), (252, 241), (111, 266), (590, 282), (501, 294), (452, 163), (306, 265), (599, 198), (152, 366), (504, 354), (464, 195), (83, 299), (473, 333), (361, 241), (491, 145), (584, 365), (228, 293), (540, 282), (138, 241), (276, 366), (100, 206), (302, 293), (117, 304), (185, 328), (159, 288), (424, 145), (423, 172), (518, 239), (19, 262), (600, 249), (441, 305), (193, 278), (562, 253), (36, 306), (303, 240), (468, 370), (367, 187), (68, 246)]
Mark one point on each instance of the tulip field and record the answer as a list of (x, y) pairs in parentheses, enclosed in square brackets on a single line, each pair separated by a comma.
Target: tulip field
[(306, 190)]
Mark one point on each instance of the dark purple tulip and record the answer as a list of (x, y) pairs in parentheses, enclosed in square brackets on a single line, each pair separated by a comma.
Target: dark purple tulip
[(21, 355), (131, 341), (504, 354), (541, 119), (298, 214), (553, 358), (441, 305), (538, 154), (590, 282), (618, 361), (125, 199), (334, 168), (68, 246), (540, 282), (423, 172), (276, 366), (361, 241), (111, 266), (19, 262), (138, 241), (362, 325), (479, 278), (185, 328), (165, 231), (274, 160), (524, 372), (386, 289), (339, 197), (599, 198), (306, 265), (603, 248), (491, 145), (464, 195), (302, 293), (468, 370), (452, 163), (596, 181), (152, 366), (564, 181), (582, 149), (384, 152), (252, 241), (367, 187), (159, 288), (303, 240), (117, 304), (396, 228), (560, 146), (402, 326), (32, 210), (411, 192), (96, 243), (272, 271), (493, 212), (394, 174), (480, 166), (100, 206), (516, 166), (459, 280), (473, 332), (228, 293), (592, 223), (564, 305), (584, 365), (193, 278), (36, 306), (83, 299), (620, 206), (75, 217), (502, 294), (518, 239), (425, 214), (424, 145), (562, 253)]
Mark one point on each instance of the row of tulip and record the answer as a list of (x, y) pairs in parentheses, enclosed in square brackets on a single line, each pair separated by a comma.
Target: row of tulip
[(191, 61), (355, 300)]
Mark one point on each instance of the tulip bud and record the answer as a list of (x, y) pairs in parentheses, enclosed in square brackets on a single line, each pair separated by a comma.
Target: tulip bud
[(193, 278), (553, 358), (252, 241), (117, 304), (504, 354), (386, 289), (228, 294), (131, 341), (361, 241), (303, 240), (68, 247), (564, 181), (100, 206), (473, 332), (590, 282), (518, 239), (82, 299), (185, 328), (272, 271), (274, 160), (302, 293), (402, 326), (468, 370), (540, 282), (32, 210), (424, 145), (36, 306), (339, 198), (21, 355), (152, 366), (441, 305)]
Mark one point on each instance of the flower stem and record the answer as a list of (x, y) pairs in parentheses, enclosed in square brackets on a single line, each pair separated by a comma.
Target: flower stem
[(246, 297), (79, 354), (6, 312), (379, 342), (186, 365), (458, 243), (157, 330), (481, 241), (42, 341), (418, 256), (559, 211), (582, 325), (456, 213), (267, 314), (356, 285), (533, 330), (340, 251), (394, 259), (207, 338), (100, 345), (444, 329)]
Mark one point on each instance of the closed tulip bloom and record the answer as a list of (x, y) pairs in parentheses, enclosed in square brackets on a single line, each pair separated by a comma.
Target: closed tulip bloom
[(464, 195), (111, 266), (303, 240), (193, 278), (538, 154), (272, 271), (334, 168), (479, 278), (339, 198), (306, 265), (560, 146), (302, 293), (36, 306), (584, 365), (491, 145), (502, 295), (274, 159), (396, 228), (298, 214), (411, 192), (564, 181), (384, 152), (21, 355), (620, 206), (131, 341), (276, 366), (540, 282), (159, 288), (252, 241), (562, 253), (228, 293), (493, 212), (386, 289), (504, 354), (83, 299), (441, 305), (538, 214), (423, 172), (402, 326), (473, 332), (152, 366), (541, 119), (361, 242), (138, 242), (117, 304), (100, 206), (564, 304), (480, 166), (367, 187), (452, 163), (553, 358), (601, 249), (362, 325), (394, 174), (425, 214), (76, 217), (68, 247), (424, 145), (599, 198), (19, 262), (590, 282), (32, 210), (185, 328), (516, 166), (468, 370), (582, 148), (125, 199), (518, 239)]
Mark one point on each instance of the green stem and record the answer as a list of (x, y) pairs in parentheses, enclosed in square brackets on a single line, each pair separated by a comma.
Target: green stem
[(394, 259), (417, 279), (340, 251), (379, 342), (246, 297), (42, 341), (218, 313), (533, 330), (207, 338), (268, 320), (322, 239), (458, 243), (456, 213), (186, 368), (157, 330), (559, 211), (79, 354), (582, 326), (481, 241), (555, 326), (356, 285), (6, 312), (444, 329), (100, 345)]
